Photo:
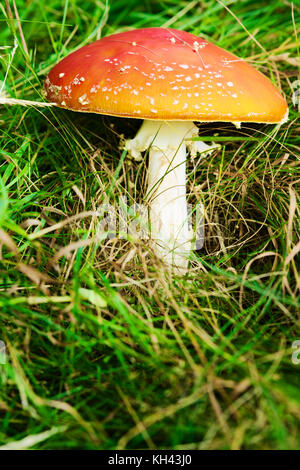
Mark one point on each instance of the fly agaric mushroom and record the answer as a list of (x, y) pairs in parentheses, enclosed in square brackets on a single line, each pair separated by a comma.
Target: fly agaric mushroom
[(170, 79)]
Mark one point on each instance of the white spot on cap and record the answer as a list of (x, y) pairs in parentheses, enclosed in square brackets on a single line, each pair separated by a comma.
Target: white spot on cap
[(150, 99), (168, 69), (61, 75), (198, 46), (173, 40), (122, 69), (83, 99), (229, 83), (76, 81), (184, 66)]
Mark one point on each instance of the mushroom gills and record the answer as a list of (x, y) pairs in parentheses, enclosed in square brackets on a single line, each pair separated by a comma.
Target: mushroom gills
[(168, 143)]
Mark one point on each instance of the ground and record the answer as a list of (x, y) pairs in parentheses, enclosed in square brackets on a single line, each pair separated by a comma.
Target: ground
[(104, 348)]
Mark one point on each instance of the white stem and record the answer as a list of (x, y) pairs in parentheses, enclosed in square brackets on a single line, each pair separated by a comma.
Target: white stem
[(166, 192), (167, 199)]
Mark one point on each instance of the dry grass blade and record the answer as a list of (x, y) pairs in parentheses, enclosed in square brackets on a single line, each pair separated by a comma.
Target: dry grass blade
[(33, 439), (6, 240)]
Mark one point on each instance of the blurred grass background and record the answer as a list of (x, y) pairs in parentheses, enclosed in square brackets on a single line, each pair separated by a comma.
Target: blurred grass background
[(104, 349)]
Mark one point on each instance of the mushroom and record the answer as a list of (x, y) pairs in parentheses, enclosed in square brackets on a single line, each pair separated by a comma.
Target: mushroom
[(170, 79)]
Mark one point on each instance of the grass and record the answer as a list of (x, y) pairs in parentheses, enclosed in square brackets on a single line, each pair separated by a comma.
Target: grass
[(104, 349)]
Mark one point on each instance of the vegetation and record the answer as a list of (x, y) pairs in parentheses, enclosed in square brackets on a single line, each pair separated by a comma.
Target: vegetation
[(105, 349)]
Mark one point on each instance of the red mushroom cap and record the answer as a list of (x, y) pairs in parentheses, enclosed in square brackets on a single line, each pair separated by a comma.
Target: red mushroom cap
[(163, 74)]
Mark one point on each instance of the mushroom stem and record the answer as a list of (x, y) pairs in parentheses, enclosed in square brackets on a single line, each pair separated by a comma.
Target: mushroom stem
[(166, 194)]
